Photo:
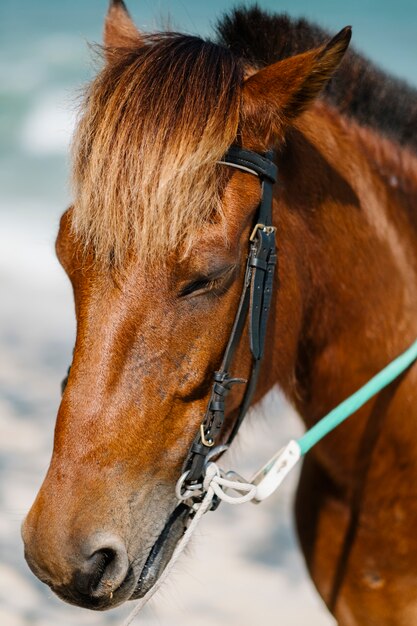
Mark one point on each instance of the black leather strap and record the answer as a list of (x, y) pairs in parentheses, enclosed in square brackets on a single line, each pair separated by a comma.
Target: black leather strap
[(255, 299), (260, 164), (263, 264)]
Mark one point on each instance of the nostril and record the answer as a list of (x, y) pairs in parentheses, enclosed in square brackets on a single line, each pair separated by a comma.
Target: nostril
[(104, 570), (99, 565)]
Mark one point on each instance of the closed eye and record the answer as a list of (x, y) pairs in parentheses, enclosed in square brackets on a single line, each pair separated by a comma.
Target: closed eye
[(216, 284)]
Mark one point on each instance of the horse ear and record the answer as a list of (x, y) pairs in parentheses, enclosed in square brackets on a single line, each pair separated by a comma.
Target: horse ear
[(280, 92), (119, 29)]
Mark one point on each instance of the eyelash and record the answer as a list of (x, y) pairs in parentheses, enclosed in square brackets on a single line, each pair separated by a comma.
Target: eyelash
[(206, 285), (199, 285)]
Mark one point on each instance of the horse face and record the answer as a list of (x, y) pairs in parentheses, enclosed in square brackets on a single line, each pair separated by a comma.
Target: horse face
[(150, 335), (148, 342)]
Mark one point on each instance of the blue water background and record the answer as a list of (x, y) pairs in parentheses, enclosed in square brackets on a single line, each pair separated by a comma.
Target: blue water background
[(44, 61)]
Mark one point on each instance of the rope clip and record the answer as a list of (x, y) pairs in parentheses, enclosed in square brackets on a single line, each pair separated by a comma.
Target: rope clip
[(272, 474)]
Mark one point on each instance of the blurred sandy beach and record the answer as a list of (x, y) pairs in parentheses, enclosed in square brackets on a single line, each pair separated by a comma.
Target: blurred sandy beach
[(244, 567)]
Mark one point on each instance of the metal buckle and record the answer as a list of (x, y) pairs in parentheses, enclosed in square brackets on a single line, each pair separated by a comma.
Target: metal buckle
[(267, 229), (207, 442), (185, 491)]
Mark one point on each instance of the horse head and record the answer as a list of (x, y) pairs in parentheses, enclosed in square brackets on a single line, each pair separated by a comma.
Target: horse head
[(155, 247)]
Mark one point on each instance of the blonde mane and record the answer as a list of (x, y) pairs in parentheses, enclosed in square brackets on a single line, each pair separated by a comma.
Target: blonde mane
[(154, 123)]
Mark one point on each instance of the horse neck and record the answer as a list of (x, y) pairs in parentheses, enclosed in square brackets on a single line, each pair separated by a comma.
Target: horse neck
[(345, 201)]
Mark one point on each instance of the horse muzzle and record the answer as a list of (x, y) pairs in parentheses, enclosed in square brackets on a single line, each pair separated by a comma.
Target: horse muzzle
[(100, 575)]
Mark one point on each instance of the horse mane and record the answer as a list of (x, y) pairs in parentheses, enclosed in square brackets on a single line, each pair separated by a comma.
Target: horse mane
[(157, 118), (358, 89), (155, 122)]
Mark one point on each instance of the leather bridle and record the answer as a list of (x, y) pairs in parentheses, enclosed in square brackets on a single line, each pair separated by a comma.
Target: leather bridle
[(255, 301), (203, 485)]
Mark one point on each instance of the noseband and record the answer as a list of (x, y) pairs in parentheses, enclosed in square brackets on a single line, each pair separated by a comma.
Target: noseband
[(255, 301)]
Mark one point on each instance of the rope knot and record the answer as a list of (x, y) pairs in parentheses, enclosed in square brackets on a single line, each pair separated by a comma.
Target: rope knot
[(212, 472), (216, 481)]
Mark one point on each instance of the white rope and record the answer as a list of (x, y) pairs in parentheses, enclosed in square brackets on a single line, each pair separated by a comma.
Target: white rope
[(180, 547), (213, 485), (269, 478), (216, 481)]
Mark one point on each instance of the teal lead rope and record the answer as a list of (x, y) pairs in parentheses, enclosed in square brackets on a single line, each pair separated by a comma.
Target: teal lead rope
[(346, 408), (217, 483), (271, 475)]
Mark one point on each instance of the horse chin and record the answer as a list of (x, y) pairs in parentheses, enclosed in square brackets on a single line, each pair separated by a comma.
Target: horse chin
[(162, 550)]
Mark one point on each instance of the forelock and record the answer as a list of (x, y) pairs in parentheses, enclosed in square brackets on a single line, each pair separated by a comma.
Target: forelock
[(155, 122)]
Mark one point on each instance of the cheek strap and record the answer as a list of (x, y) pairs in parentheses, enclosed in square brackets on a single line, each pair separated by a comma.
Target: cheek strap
[(255, 303)]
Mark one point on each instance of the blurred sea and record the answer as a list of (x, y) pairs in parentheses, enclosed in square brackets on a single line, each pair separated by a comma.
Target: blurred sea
[(44, 63), (45, 60)]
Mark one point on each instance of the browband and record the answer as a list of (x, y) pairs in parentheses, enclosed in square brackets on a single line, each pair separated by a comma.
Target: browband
[(246, 160)]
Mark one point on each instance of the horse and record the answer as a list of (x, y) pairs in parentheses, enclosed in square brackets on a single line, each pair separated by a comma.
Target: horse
[(155, 245)]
